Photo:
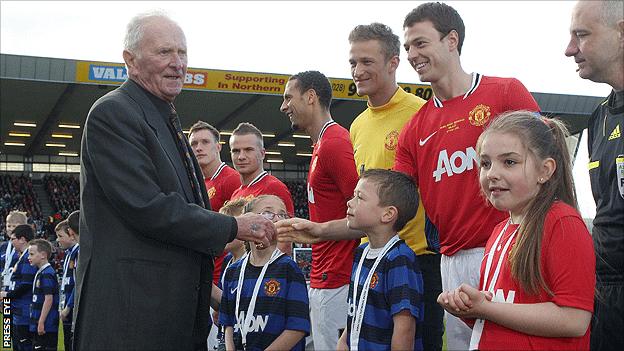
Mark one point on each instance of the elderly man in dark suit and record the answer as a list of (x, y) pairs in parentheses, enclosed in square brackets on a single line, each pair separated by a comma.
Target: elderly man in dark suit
[(147, 235)]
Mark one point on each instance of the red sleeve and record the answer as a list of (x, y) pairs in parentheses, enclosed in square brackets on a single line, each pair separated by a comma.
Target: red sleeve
[(218, 263), (341, 165), (569, 262), (519, 98), (405, 159)]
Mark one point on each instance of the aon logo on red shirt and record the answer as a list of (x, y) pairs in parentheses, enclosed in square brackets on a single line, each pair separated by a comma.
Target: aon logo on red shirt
[(456, 164)]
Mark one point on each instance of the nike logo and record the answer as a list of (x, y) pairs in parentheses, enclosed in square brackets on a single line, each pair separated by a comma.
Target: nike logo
[(423, 142), (37, 347), (232, 291)]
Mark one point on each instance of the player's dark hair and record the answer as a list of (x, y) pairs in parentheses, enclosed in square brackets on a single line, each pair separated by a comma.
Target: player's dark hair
[(543, 138), (316, 81), (245, 128), (201, 125), (388, 41), (395, 189), (443, 17)]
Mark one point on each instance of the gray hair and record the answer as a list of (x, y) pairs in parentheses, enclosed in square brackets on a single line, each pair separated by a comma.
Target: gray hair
[(136, 28), (612, 11)]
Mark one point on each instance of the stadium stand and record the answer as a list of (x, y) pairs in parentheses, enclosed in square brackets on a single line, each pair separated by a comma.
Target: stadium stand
[(299, 194), (64, 193), (16, 193)]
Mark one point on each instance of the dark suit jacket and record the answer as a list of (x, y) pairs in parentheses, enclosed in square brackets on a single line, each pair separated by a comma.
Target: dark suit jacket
[(145, 267)]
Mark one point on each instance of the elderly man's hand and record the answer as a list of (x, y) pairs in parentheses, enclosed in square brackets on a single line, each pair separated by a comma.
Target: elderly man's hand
[(254, 228), (298, 230)]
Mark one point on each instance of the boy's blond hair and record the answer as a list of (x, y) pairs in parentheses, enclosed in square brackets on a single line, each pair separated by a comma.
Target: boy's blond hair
[(233, 207), (17, 216)]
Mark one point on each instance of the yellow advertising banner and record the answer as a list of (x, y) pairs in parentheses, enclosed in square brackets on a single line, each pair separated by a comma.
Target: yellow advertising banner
[(229, 81)]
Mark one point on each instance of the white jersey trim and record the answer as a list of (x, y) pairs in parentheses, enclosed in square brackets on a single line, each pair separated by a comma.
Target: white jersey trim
[(218, 171), (476, 80), (258, 178)]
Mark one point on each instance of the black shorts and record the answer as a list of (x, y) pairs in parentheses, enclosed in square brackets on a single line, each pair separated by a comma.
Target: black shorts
[(607, 332), (45, 342), (433, 325)]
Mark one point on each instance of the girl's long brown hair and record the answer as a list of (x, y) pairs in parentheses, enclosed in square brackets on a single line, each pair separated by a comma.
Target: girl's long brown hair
[(543, 138)]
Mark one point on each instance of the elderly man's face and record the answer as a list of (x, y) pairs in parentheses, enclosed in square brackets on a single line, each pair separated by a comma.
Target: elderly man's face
[(595, 46), (159, 64)]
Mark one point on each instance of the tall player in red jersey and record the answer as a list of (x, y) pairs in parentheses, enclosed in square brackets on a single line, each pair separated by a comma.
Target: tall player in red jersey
[(437, 147), (247, 150), (331, 180), (221, 180)]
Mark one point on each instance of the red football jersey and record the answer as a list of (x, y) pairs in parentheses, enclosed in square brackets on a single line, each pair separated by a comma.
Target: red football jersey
[(220, 188), (437, 148), (222, 185), (568, 266), (266, 184), (331, 180)]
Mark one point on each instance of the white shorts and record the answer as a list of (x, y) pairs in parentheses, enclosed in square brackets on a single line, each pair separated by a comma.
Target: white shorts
[(328, 316), (463, 267), (213, 341)]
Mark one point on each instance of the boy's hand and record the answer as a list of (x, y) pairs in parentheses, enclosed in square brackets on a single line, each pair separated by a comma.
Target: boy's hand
[(40, 328), (64, 313), (3, 294), (342, 342), (298, 230), (215, 317)]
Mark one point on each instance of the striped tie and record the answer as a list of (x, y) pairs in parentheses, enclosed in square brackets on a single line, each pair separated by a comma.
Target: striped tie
[(186, 156)]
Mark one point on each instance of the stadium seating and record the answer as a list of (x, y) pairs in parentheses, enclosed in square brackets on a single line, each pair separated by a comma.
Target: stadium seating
[(16, 193), (299, 194)]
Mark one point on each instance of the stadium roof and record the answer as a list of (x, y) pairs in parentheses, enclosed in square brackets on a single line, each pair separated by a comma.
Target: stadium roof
[(44, 103)]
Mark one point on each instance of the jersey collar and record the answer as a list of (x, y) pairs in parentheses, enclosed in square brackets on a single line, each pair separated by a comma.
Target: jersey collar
[(476, 79)]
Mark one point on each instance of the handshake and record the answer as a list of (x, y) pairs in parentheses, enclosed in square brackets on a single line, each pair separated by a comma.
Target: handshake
[(255, 228)]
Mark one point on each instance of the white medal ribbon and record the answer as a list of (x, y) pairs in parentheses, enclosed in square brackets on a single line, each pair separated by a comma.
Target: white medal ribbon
[(243, 325), (11, 285), (65, 280), (358, 310), (35, 280), (6, 276), (477, 329)]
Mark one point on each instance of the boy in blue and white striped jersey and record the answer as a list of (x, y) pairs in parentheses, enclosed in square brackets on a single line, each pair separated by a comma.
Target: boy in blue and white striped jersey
[(44, 315), (388, 313), (265, 299)]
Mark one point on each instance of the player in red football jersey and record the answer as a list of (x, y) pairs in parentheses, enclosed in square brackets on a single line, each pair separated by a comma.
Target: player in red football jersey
[(221, 180), (247, 149), (331, 180), (437, 147)]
